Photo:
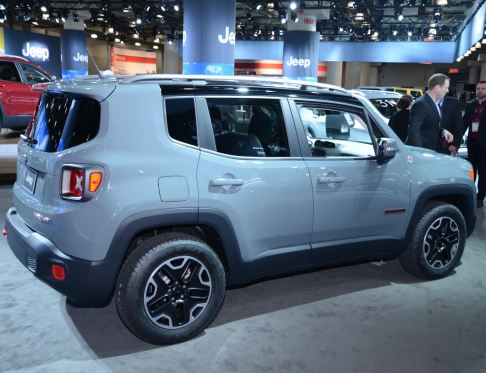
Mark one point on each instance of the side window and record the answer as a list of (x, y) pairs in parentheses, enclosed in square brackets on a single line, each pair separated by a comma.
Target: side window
[(9, 72), (335, 133), (34, 75), (248, 127), (181, 119)]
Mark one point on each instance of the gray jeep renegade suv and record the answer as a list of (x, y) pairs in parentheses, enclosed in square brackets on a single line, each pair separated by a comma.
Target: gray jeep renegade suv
[(160, 191)]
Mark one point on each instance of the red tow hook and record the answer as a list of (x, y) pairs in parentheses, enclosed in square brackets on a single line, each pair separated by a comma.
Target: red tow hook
[(5, 232)]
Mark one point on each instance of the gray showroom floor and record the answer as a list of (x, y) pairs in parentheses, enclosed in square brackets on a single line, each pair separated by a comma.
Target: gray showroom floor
[(362, 318)]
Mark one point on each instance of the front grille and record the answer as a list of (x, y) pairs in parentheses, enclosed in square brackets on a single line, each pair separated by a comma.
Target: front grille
[(31, 264)]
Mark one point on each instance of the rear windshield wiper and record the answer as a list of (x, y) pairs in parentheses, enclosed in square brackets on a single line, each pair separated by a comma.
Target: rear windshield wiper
[(28, 140)]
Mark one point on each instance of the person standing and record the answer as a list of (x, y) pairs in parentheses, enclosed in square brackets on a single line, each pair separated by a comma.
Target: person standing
[(475, 120), (451, 121), (424, 128), (399, 120)]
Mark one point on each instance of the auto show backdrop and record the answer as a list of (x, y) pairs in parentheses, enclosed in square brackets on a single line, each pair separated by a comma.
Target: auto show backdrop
[(301, 55), (74, 54), (128, 61), (43, 50), (209, 37)]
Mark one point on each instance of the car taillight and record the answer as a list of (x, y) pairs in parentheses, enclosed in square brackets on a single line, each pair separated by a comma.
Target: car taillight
[(72, 183), (80, 182)]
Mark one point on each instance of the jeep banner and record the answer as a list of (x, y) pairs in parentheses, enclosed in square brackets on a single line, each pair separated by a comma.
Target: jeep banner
[(209, 37), (301, 55), (74, 54), (42, 50)]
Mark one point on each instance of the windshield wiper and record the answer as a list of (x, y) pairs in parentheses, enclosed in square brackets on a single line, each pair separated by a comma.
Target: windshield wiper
[(28, 140)]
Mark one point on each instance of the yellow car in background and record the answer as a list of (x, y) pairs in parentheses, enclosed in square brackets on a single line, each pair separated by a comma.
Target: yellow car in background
[(414, 92)]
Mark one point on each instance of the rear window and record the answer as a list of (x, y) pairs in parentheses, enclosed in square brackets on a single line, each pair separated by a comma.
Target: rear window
[(63, 121)]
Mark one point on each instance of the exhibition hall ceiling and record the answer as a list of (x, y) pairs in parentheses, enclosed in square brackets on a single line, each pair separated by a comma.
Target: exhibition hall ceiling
[(149, 21)]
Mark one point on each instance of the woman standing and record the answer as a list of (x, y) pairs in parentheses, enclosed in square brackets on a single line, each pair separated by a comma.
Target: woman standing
[(399, 120)]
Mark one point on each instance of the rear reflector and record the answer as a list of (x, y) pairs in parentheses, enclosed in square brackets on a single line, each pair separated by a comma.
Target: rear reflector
[(57, 272), (5, 232), (95, 181)]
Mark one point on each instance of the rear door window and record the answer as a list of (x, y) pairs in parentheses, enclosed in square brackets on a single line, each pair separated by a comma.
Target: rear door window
[(248, 127), (63, 121)]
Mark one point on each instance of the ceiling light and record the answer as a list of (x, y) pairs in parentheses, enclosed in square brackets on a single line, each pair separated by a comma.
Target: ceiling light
[(351, 4), (138, 21), (111, 30), (126, 7), (94, 36), (483, 41), (477, 45), (176, 7), (293, 5), (2, 6), (395, 32), (400, 17), (43, 8), (409, 33), (155, 46), (442, 2), (137, 44), (117, 40), (136, 36), (35, 23), (359, 16)]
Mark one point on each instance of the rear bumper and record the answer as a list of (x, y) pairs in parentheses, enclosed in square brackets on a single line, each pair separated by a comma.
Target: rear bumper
[(86, 282)]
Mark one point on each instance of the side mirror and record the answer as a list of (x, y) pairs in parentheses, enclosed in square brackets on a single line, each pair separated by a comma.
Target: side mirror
[(387, 148)]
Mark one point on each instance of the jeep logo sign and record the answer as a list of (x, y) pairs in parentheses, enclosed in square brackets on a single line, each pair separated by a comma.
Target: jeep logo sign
[(35, 51), (300, 55), (305, 62), (229, 37), (80, 57)]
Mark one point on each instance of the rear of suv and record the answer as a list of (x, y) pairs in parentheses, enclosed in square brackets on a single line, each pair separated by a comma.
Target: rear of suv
[(21, 84), (161, 191)]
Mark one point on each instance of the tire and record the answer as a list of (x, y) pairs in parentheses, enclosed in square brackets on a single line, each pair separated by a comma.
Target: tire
[(437, 242), (160, 298)]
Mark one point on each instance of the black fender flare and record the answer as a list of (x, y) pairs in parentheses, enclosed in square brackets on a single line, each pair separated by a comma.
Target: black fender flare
[(442, 192), (138, 223)]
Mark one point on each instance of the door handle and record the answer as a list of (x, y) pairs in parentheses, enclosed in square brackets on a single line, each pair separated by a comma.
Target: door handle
[(226, 182), (330, 179)]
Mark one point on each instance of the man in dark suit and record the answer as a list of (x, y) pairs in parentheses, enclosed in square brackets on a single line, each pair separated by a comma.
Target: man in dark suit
[(475, 120), (424, 128), (451, 121)]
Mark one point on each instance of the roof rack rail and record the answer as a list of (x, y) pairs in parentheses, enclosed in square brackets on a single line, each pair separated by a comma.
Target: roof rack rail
[(104, 77), (179, 77), (14, 56)]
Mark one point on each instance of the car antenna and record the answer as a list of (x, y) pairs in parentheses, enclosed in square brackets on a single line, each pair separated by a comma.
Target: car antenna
[(95, 65)]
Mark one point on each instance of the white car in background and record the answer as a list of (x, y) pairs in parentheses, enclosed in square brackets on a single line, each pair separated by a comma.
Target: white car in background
[(384, 101)]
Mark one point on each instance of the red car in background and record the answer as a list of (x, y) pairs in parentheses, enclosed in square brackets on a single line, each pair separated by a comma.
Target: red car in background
[(21, 84)]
